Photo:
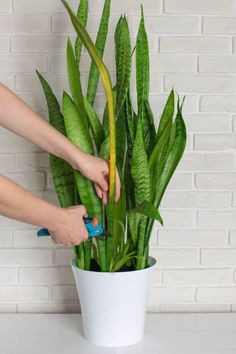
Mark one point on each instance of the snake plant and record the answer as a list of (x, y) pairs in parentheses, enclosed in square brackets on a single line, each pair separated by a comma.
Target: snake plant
[(145, 156)]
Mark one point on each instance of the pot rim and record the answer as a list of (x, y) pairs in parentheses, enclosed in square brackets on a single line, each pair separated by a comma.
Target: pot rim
[(151, 260)]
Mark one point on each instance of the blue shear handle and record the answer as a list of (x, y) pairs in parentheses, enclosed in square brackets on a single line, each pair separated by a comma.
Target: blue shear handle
[(43, 232), (94, 229)]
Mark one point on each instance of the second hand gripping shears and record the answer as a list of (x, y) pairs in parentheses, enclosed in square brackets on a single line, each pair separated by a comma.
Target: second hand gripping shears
[(93, 226)]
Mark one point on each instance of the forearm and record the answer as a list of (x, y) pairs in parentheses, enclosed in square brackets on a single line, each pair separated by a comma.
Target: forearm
[(19, 118), (19, 204)]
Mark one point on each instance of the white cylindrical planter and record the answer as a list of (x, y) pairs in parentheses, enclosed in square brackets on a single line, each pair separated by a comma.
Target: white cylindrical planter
[(113, 305)]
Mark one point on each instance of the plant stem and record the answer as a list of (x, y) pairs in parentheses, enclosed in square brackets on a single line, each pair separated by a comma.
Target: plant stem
[(87, 253), (140, 264), (79, 250), (102, 255)]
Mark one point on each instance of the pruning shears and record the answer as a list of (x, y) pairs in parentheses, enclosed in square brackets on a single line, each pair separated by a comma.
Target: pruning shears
[(93, 226)]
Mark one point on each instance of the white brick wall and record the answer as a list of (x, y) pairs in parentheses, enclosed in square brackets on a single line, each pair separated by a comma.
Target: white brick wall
[(193, 47)]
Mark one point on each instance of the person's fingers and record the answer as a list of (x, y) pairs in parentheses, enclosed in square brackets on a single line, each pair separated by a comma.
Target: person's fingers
[(103, 184), (98, 190), (67, 243), (104, 197), (82, 209), (117, 194)]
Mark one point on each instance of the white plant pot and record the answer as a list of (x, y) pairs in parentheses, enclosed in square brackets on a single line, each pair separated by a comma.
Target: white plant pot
[(113, 305)]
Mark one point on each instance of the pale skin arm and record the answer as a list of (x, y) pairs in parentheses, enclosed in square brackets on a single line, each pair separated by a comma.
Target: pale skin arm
[(18, 117)]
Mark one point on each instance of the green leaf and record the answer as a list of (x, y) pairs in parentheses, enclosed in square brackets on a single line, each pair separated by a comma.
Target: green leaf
[(105, 118), (75, 128), (177, 143), (130, 119), (79, 252), (139, 168), (117, 30), (55, 116), (104, 150), (122, 138), (149, 130), (142, 85), (123, 261), (88, 244), (160, 151), (95, 124), (142, 67), (141, 178), (148, 209), (123, 61), (82, 15), (165, 121), (62, 172), (100, 45), (78, 133), (74, 81), (156, 153), (101, 244), (118, 230), (63, 180), (133, 222), (130, 132), (167, 114), (95, 253), (174, 155)]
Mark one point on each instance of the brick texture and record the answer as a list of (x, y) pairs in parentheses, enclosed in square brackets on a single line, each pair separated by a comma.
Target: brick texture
[(193, 48)]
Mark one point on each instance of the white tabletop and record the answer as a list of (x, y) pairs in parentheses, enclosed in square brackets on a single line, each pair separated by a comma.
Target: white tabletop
[(164, 334)]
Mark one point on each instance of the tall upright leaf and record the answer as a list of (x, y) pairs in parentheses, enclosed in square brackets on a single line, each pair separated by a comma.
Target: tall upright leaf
[(100, 45), (105, 147), (142, 67), (142, 86), (82, 15), (150, 133), (95, 124), (155, 162), (123, 61), (139, 168), (165, 120), (74, 81), (167, 114), (148, 209), (174, 155), (130, 134), (119, 219), (62, 172), (141, 178), (133, 223), (117, 31), (130, 120)]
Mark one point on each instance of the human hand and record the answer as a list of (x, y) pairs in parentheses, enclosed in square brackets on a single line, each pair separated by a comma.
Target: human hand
[(68, 227), (97, 170)]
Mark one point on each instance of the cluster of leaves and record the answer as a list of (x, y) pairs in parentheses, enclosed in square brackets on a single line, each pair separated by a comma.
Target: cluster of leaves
[(146, 158)]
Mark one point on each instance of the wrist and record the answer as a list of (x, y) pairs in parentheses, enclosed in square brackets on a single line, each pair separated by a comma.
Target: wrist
[(76, 157), (53, 217)]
